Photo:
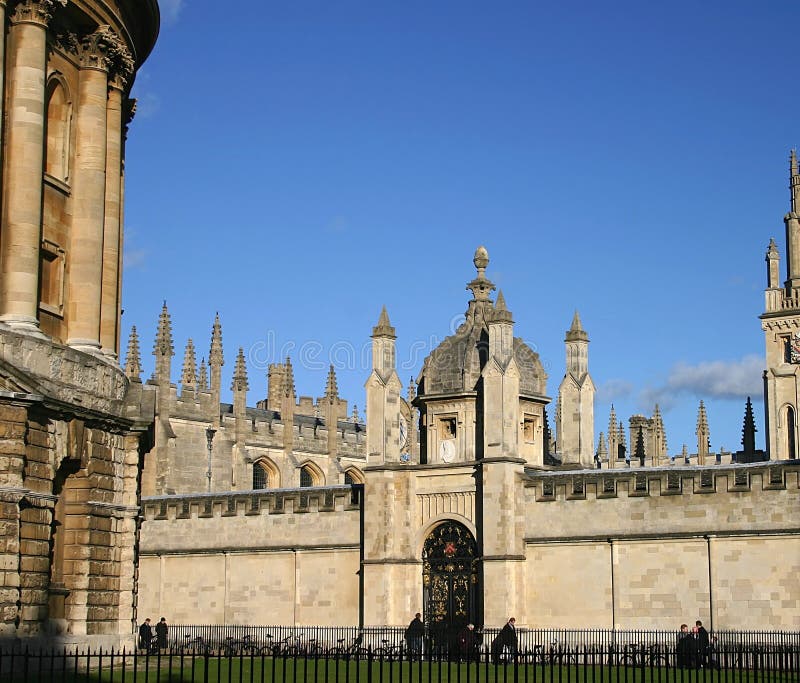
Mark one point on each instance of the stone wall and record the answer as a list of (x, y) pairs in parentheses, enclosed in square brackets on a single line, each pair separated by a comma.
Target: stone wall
[(269, 557), (630, 550)]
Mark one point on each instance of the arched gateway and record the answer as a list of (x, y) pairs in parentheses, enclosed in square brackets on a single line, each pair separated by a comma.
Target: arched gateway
[(450, 580)]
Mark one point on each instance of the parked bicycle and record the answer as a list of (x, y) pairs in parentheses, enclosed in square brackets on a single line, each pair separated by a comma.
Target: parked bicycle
[(195, 645), (234, 647), (639, 654), (286, 647), (355, 649)]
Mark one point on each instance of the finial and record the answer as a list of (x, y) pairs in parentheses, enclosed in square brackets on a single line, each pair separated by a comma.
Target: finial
[(288, 378), (772, 249), (331, 388), (215, 357), (355, 417), (163, 344), (480, 286), (793, 163), (412, 389), (133, 359), (384, 327), (576, 331), (602, 450), (189, 374), (202, 376), (240, 373)]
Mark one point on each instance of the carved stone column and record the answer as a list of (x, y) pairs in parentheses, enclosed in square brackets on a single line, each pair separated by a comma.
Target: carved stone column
[(89, 193), (112, 232), (3, 5), (22, 212)]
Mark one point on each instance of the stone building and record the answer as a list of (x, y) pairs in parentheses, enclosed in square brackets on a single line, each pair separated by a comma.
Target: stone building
[(465, 513), (73, 428)]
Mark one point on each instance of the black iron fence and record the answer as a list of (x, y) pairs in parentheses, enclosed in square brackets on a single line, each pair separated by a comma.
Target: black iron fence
[(346, 655)]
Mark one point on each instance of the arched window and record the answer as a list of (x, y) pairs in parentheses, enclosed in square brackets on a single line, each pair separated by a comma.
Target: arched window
[(260, 477), (265, 475), (353, 476), (59, 115), (791, 445), (311, 475)]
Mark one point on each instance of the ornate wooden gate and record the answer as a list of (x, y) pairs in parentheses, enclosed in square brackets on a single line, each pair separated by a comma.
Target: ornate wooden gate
[(449, 580)]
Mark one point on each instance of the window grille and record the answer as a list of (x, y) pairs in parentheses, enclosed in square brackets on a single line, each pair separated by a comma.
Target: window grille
[(305, 478), (260, 477)]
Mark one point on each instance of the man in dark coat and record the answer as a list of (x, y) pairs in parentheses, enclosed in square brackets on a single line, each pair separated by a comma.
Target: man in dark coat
[(161, 633), (506, 639), (145, 635), (414, 635), (686, 649), (702, 644), (467, 642)]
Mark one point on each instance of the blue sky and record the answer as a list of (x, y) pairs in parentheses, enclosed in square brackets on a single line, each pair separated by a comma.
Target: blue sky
[(297, 165)]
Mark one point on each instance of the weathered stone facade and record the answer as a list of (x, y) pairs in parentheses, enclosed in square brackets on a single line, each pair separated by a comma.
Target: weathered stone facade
[(562, 539), (73, 428)]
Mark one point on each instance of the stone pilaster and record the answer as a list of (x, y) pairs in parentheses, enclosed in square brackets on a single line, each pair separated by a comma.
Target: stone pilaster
[(89, 193), (24, 150), (112, 230)]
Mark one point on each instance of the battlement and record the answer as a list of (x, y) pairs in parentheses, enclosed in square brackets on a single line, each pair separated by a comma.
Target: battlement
[(269, 502), (668, 480)]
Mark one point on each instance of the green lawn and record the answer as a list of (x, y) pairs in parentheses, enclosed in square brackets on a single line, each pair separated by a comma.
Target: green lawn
[(313, 670)]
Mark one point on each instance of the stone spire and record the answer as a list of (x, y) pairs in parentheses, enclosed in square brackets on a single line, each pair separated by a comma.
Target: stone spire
[(792, 221), (384, 327), (773, 259), (288, 379), (332, 412), (202, 376), (331, 387), (659, 437), (703, 434), (133, 358), (501, 312), (602, 451), (576, 331), (240, 373), (163, 349), (215, 363), (622, 443), (189, 373), (613, 442)]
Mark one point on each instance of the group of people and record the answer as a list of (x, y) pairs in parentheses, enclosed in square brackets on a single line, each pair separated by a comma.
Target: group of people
[(694, 647), (467, 642), (147, 642)]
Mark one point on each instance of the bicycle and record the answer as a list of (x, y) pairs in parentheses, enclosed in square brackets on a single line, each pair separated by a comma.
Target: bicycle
[(195, 645), (355, 649), (233, 647), (641, 655), (388, 650), (286, 647)]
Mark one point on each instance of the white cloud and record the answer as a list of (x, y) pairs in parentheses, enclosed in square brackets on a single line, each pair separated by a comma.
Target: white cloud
[(170, 9), (727, 380), (613, 389)]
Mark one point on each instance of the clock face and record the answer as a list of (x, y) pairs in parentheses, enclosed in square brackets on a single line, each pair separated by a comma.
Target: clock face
[(447, 451)]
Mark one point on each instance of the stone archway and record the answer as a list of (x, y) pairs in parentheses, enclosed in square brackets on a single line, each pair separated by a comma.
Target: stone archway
[(450, 581)]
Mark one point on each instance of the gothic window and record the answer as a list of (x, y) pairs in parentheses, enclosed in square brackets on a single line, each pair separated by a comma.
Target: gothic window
[(791, 446), (59, 115), (305, 477), (353, 476), (311, 475), (260, 477)]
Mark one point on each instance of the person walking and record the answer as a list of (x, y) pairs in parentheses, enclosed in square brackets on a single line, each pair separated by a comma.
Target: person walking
[(161, 634), (506, 639), (414, 635), (145, 635), (467, 640), (684, 647)]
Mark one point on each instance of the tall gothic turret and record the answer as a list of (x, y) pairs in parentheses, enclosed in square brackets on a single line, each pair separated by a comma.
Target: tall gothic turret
[(703, 434), (331, 408), (781, 324), (133, 358), (189, 373), (215, 362), (575, 428), (383, 396)]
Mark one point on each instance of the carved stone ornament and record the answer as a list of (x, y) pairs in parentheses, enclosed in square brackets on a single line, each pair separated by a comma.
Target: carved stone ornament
[(35, 11), (129, 110), (67, 42), (97, 48)]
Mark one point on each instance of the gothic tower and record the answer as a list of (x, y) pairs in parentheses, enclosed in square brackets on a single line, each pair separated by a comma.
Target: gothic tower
[(781, 324), (575, 425)]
